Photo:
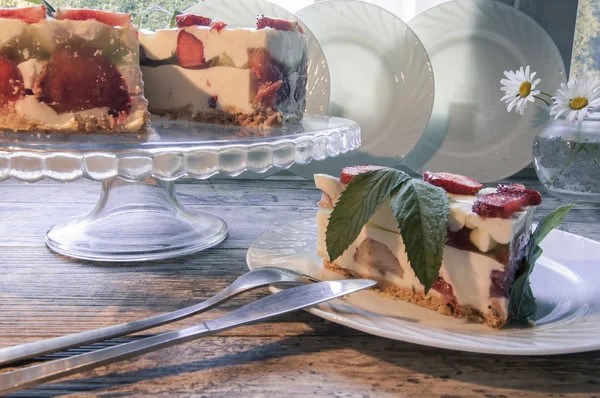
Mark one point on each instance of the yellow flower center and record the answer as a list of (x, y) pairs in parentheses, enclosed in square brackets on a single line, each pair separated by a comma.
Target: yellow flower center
[(525, 89), (578, 103)]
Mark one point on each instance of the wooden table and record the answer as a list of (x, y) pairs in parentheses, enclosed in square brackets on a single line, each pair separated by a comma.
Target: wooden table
[(44, 295)]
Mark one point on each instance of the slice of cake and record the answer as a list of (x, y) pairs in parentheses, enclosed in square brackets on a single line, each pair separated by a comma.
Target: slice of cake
[(76, 72), (484, 241), (203, 71)]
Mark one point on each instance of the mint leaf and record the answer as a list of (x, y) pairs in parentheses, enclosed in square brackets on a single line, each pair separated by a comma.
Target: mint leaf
[(421, 210), (522, 305), (551, 221), (362, 197), (173, 22), (50, 9)]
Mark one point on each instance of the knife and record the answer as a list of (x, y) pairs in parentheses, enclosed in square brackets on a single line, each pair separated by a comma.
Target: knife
[(275, 304)]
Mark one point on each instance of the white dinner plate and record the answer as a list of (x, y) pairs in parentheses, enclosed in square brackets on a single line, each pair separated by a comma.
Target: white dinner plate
[(565, 283), (381, 78), (471, 43)]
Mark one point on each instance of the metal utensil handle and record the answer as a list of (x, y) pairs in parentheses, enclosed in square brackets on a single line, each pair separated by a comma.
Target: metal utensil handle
[(263, 308), (29, 377), (251, 280)]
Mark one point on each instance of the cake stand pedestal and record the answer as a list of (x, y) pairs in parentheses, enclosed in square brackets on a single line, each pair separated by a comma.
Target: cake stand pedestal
[(138, 216)]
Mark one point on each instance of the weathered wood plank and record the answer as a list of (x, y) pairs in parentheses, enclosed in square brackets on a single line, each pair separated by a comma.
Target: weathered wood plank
[(349, 366), (45, 295)]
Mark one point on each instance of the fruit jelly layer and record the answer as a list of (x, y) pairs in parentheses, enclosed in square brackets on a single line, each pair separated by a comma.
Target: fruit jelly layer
[(287, 48)]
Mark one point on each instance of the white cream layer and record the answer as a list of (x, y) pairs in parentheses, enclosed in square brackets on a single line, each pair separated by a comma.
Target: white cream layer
[(468, 272), (286, 47), (487, 232), (171, 87), (38, 112)]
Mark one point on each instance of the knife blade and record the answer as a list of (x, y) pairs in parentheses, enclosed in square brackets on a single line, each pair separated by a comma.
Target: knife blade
[(269, 306)]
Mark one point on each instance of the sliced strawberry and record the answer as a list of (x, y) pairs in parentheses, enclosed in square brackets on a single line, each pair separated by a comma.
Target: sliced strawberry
[(266, 69), (217, 24), (108, 18), (266, 94), (26, 14), (503, 204), (82, 78), (453, 183), (11, 82), (279, 24), (446, 290), (184, 20), (190, 50), (534, 196), (212, 101), (348, 173)]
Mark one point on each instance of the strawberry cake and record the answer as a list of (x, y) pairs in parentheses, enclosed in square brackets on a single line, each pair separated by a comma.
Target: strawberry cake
[(75, 71), (206, 72), (486, 236)]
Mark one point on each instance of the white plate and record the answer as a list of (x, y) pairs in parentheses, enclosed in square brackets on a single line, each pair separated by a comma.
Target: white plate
[(471, 43), (242, 14), (381, 78), (565, 283)]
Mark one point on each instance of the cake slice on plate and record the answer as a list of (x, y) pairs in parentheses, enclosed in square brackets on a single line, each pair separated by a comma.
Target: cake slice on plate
[(483, 236), (206, 72), (75, 72)]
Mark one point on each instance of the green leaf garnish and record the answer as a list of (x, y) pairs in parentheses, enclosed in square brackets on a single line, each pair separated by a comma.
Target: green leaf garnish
[(359, 201), (421, 211), (173, 22), (49, 8), (522, 305), (549, 222)]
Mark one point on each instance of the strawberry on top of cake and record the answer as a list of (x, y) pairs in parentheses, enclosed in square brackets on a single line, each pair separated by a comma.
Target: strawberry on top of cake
[(204, 71), (75, 71), (444, 242)]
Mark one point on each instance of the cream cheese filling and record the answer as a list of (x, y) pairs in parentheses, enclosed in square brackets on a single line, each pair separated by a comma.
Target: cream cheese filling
[(468, 272), (170, 87), (286, 47)]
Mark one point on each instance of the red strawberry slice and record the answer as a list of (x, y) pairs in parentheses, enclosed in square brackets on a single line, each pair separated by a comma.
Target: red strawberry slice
[(534, 196), (11, 82), (503, 204), (108, 18), (279, 24), (190, 50), (265, 68), (453, 183), (348, 173), (85, 81), (26, 14), (266, 94), (185, 20), (217, 24)]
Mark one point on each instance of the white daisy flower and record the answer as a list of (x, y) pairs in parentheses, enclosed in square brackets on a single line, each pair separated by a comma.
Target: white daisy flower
[(520, 89), (576, 98)]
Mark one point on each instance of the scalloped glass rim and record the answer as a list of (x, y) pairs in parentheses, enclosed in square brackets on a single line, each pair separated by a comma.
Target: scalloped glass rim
[(174, 150), (564, 283)]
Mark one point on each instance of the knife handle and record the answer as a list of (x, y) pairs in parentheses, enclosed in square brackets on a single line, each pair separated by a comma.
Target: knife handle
[(34, 375)]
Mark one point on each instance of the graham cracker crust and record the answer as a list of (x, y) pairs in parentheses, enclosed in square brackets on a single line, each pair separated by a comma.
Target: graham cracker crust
[(259, 118), (15, 122), (493, 318)]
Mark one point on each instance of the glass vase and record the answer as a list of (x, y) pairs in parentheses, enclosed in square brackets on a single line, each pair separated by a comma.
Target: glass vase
[(567, 159)]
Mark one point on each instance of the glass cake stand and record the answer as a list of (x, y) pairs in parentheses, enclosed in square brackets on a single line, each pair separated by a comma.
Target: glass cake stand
[(138, 216)]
